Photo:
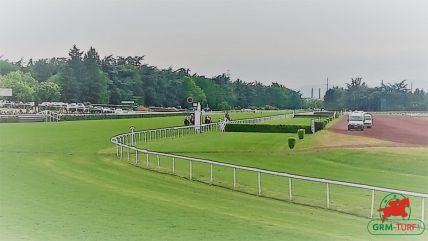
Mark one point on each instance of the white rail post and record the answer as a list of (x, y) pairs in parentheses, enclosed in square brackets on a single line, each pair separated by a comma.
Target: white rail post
[(259, 182), (129, 154), (328, 196), (423, 210), (147, 159), (190, 170), (158, 159), (173, 165), (372, 204), (132, 136), (121, 148), (117, 148), (145, 136), (234, 177), (211, 173), (289, 188), (136, 157)]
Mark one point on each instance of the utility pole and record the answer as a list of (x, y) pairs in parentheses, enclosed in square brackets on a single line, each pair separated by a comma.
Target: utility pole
[(327, 84)]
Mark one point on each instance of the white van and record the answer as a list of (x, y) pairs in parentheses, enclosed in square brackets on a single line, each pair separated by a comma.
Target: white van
[(356, 121), (368, 120)]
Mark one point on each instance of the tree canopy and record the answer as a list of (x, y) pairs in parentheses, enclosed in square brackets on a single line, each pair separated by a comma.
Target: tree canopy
[(358, 96), (86, 77)]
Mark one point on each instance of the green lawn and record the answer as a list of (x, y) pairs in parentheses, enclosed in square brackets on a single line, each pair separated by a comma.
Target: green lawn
[(61, 181), (398, 168)]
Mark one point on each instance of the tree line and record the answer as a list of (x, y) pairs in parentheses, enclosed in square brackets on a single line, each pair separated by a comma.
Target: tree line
[(358, 96), (86, 77)]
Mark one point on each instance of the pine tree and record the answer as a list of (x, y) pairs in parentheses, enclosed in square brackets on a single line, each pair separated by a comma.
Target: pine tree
[(94, 86)]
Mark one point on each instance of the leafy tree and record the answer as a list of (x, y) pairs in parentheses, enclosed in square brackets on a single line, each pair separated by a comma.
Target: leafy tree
[(48, 91), (6, 67), (72, 77), (43, 69), (94, 88), (23, 85), (334, 98), (192, 90), (313, 104)]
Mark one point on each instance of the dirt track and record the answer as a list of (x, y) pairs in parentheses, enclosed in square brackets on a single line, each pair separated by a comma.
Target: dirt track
[(404, 130)]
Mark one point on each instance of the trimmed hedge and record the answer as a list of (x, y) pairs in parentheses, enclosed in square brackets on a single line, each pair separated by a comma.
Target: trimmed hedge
[(11, 119), (301, 133), (291, 142), (325, 113), (266, 128), (319, 125), (310, 116)]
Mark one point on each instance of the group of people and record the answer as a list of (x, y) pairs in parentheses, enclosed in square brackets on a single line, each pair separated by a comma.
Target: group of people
[(190, 120)]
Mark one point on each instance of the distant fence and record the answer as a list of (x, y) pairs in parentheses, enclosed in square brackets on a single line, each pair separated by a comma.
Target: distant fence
[(409, 113), (226, 175)]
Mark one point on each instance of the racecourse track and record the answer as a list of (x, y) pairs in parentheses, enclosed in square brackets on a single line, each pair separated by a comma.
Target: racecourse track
[(401, 129)]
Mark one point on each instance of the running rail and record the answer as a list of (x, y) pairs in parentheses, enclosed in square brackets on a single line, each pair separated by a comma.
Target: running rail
[(131, 139)]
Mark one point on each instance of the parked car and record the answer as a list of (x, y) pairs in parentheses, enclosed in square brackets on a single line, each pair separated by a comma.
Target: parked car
[(356, 121), (368, 120)]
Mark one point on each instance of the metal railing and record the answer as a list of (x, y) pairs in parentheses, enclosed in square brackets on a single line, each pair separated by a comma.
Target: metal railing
[(129, 141), (180, 131), (50, 116)]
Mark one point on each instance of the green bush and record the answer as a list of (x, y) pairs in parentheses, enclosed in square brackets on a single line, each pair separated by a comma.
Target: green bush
[(266, 128), (9, 119), (301, 133), (337, 115), (310, 116), (291, 142), (319, 125)]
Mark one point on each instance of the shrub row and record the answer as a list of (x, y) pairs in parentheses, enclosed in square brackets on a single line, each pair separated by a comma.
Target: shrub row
[(319, 125), (266, 128), (310, 116), (11, 119), (324, 113)]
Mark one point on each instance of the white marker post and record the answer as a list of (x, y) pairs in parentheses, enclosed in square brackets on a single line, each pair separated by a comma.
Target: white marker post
[(132, 135), (198, 116)]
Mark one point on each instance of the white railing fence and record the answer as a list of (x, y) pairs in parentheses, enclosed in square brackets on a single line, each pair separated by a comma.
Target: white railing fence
[(346, 197), (134, 137), (50, 116)]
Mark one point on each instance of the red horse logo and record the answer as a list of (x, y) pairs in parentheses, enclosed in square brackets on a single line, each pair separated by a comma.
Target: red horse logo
[(395, 207)]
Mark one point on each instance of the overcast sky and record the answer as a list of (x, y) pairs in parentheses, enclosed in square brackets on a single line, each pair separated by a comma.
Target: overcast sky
[(297, 43)]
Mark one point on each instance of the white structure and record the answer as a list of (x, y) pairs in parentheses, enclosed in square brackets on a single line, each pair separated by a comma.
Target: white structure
[(198, 115), (5, 92)]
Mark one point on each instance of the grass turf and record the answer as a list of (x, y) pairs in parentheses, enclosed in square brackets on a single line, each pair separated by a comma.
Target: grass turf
[(61, 181)]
